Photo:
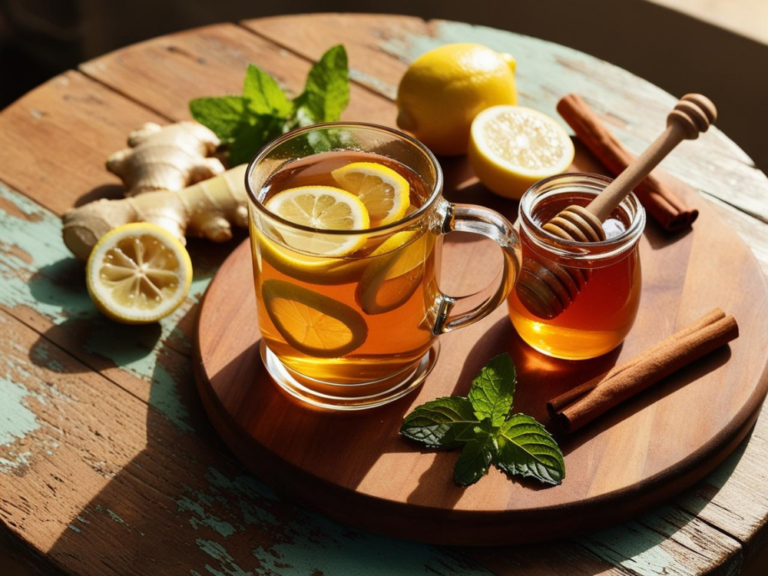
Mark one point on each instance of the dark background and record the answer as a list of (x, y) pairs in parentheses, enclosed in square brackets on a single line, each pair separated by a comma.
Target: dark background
[(40, 38)]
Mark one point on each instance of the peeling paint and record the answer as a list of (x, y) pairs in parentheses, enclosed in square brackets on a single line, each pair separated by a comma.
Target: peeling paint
[(633, 546), (41, 354), (115, 517), (37, 271), (16, 421), (227, 563), (303, 542), (373, 82), (203, 518)]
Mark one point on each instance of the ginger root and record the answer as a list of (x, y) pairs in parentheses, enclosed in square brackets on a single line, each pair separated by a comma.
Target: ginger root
[(166, 158), (206, 209)]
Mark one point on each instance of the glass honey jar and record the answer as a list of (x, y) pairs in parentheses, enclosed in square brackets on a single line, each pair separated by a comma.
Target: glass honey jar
[(602, 312)]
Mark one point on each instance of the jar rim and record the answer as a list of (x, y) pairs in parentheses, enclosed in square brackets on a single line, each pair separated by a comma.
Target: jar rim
[(587, 183)]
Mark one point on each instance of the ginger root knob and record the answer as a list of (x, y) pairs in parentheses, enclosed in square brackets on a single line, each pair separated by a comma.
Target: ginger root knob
[(166, 158), (207, 209)]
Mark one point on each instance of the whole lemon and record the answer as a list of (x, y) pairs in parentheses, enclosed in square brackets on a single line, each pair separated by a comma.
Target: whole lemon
[(443, 90)]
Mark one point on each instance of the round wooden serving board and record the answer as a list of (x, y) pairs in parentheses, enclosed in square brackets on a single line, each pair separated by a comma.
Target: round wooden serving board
[(355, 467)]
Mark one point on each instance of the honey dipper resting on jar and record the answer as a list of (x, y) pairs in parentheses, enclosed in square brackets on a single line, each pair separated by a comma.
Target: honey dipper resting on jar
[(547, 289)]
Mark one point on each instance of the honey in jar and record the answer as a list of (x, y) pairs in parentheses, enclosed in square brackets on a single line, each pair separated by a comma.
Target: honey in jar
[(602, 313)]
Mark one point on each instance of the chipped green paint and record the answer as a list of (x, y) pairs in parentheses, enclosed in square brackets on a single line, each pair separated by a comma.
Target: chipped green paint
[(546, 71), (303, 542), (75, 528), (37, 272), (204, 519), (40, 354), (227, 563), (373, 82), (115, 517), (16, 419)]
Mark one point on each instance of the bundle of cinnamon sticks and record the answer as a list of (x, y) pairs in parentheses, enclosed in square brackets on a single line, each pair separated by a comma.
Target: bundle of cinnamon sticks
[(659, 193), (579, 406)]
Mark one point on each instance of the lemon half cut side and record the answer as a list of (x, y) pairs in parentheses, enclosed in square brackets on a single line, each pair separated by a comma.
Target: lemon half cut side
[(312, 323), (511, 148), (138, 273)]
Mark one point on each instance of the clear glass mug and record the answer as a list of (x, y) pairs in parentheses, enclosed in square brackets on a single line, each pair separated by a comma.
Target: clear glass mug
[(361, 330)]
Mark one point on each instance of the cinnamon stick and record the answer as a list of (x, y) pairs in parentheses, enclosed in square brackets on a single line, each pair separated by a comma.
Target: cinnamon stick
[(656, 193), (579, 406)]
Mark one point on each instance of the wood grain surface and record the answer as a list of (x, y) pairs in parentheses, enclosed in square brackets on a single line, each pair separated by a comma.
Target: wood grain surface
[(358, 469), (107, 462)]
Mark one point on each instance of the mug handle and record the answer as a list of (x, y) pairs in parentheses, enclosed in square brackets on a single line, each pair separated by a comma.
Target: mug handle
[(492, 225)]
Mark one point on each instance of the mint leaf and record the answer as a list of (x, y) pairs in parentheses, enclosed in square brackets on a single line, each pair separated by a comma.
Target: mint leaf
[(249, 137), (246, 123), (475, 457), (492, 389), (326, 92), (263, 95), (224, 116), (441, 423), (526, 449), (518, 445)]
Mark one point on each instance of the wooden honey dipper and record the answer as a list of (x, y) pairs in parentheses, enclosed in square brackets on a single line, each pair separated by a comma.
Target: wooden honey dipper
[(547, 290)]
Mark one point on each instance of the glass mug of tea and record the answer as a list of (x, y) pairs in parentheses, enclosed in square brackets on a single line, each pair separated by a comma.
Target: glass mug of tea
[(349, 318)]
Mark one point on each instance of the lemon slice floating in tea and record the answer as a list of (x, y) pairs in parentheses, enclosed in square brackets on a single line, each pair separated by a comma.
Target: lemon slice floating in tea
[(305, 267), (511, 148), (396, 270), (138, 273), (322, 208), (313, 323), (385, 193)]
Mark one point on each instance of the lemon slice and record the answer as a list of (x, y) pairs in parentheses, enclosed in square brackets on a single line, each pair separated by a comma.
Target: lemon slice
[(311, 269), (322, 208), (138, 273), (384, 192), (511, 148), (396, 270), (313, 323)]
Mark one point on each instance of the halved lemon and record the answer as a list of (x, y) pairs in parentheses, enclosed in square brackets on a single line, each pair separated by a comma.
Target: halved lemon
[(322, 208), (138, 273), (511, 148), (396, 270), (313, 323), (384, 192)]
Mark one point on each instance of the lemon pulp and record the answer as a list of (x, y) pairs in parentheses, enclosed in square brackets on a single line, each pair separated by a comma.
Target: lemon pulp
[(313, 323), (384, 192), (512, 148), (138, 273), (321, 208)]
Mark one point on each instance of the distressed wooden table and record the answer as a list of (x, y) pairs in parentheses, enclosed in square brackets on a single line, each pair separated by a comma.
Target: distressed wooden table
[(107, 463)]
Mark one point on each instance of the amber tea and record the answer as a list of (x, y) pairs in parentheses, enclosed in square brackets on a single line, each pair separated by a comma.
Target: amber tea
[(346, 249), (360, 317)]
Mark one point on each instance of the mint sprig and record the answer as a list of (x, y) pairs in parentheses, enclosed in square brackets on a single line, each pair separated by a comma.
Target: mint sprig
[(482, 426), (263, 112)]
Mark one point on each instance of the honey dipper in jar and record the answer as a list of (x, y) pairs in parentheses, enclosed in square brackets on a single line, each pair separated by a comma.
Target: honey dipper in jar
[(578, 291)]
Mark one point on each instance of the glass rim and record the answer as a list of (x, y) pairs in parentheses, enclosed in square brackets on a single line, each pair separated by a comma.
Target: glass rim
[(271, 146), (633, 231)]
